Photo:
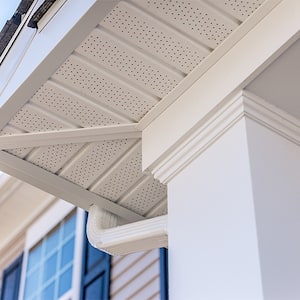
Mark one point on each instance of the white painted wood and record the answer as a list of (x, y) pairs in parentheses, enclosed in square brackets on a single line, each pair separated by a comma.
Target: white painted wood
[(213, 247), (242, 212), (209, 62), (221, 120), (247, 58), (60, 187), (77, 267), (67, 136), (275, 171)]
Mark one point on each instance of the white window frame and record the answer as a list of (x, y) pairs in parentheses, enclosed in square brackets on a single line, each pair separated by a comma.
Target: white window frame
[(39, 229)]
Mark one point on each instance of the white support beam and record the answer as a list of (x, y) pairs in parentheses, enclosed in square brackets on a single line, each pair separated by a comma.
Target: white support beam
[(60, 187), (232, 72), (68, 136)]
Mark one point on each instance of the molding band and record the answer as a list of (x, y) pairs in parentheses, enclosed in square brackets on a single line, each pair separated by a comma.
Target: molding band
[(219, 121)]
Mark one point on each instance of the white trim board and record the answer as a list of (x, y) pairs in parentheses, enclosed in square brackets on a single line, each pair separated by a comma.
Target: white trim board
[(245, 60), (244, 104), (68, 136), (60, 187)]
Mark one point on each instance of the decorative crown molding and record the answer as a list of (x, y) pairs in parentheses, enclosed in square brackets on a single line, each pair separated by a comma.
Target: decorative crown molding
[(219, 121)]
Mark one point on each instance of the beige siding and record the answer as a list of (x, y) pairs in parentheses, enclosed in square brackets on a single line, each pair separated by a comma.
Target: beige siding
[(135, 276)]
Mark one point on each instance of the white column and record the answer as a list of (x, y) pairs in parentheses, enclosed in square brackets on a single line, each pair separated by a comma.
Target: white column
[(234, 206)]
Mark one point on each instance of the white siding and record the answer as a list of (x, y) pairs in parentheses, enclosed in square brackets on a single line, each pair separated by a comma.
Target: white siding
[(135, 276)]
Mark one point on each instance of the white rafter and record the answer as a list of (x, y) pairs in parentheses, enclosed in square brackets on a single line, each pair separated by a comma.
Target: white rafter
[(68, 136)]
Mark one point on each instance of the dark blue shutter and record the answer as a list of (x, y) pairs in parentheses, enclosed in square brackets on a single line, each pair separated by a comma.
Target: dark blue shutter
[(164, 277), (96, 273), (11, 280)]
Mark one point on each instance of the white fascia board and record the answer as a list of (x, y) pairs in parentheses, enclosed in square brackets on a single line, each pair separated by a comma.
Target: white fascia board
[(68, 136), (245, 60), (49, 49), (60, 187)]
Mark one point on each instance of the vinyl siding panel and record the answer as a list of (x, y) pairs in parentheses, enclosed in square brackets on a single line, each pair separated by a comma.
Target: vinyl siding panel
[(135, 276)]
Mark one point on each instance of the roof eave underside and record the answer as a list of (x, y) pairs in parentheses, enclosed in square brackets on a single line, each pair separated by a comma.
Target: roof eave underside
[(48, 73)]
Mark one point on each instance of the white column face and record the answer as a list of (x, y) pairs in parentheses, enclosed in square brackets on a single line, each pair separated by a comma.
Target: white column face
[(212, 231), (275, 169)]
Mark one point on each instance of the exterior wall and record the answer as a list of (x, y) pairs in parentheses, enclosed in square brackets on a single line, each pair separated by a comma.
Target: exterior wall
[(136, 276), (20, 205)]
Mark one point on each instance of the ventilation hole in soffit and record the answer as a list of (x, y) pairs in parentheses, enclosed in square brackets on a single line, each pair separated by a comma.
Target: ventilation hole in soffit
[(193, 18), (52, 158), (149, 194), (101, 88), (120, 181), (110, 54), (71, 108), (243, 8), (148, 35), (94, 160), (30, 120)]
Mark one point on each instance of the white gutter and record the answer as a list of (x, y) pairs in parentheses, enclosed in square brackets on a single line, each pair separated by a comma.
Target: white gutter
[(104, 234)]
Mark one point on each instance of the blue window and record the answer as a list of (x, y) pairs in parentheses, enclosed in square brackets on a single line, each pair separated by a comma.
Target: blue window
[(11, 280), (50, 263)]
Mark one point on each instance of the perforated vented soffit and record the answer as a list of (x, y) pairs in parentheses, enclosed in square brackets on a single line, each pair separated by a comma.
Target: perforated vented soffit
[(134, 58)]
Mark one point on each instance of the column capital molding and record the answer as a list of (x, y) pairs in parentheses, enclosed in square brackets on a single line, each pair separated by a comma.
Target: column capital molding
[(217, 122)]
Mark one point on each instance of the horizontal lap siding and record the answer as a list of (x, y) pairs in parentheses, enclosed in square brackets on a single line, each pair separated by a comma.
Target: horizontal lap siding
[(135, 276)]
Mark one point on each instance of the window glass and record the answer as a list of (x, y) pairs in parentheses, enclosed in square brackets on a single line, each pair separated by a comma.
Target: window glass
[(50, 263)]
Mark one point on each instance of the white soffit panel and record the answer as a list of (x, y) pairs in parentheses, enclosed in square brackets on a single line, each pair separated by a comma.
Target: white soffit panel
[(131, 60), (111, 54), (93, 160), (146, 32), (206, 24), (240, 9), (103, 88), (75, 109)]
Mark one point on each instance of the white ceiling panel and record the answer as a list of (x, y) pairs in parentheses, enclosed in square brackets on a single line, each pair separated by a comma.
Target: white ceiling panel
[(124, 174), (145, 196), (159, 40), (126, 66), (93, 161), (240, 9), (115, 56), (75, 109), (103, 89), (202, 22), (52, 158)]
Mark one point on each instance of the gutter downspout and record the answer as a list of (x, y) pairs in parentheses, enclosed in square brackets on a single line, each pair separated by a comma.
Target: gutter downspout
[(104, 233)]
